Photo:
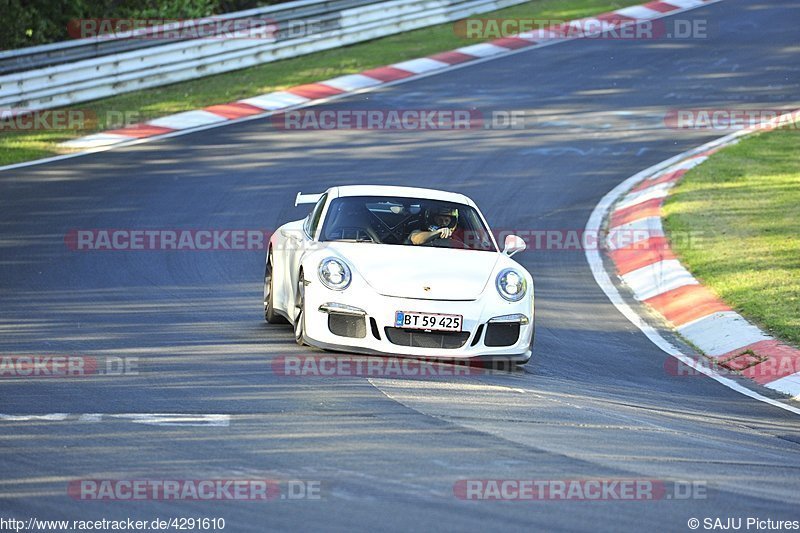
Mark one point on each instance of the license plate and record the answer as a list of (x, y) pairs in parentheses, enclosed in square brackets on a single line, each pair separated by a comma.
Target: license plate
[(431, 321)]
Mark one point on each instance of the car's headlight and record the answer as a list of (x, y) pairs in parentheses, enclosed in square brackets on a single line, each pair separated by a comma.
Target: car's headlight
[(511, 285), (334, 273)]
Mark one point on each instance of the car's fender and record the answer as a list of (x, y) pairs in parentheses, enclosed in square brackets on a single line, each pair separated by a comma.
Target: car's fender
[(286, 244)]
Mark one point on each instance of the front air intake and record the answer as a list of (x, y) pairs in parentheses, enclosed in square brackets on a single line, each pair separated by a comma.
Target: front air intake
[(448, 340), (501, 334), (347, 325)]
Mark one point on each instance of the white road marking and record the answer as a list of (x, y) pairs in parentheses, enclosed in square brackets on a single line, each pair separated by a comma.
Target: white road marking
[(788, 384), (656, 191), (276, 100), (418, 66), (482, 50), (153, 419), (96, 140), (351, 82), (690, 163), (685, 4), (658, 278), (630, 233), (28, 418), (540, 35), (174, 419), (638, 12), (187, 119), (442, 385), (588, 26), (722, 332)]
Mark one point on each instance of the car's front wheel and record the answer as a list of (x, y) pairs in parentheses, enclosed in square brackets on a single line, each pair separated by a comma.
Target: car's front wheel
[(269, 309), (300, 311)]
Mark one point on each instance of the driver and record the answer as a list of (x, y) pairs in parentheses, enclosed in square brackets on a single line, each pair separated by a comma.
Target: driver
[(441, 222)]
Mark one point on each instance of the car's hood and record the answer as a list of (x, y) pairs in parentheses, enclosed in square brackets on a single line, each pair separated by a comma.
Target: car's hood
[(420, 272)]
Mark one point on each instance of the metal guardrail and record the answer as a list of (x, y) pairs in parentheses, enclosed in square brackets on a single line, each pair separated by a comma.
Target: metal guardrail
[(87, 69), (87, 48)]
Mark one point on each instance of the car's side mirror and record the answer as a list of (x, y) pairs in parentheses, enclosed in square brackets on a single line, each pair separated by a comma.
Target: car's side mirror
[(513, 244)]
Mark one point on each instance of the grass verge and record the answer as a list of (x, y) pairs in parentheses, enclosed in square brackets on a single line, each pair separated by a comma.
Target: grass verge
[(745, 201), (17, 146)]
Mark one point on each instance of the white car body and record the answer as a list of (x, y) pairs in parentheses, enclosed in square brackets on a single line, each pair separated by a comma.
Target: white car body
[(387, 278)]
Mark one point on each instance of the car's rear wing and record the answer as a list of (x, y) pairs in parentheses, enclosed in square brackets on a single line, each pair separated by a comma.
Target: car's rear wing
[(306, 198)]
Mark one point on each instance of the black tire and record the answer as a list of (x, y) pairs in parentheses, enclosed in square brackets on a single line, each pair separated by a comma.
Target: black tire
[(269, 311), (300, 311)]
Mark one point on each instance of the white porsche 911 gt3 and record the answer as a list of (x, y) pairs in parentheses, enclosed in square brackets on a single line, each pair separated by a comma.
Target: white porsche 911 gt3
[(399, 271)]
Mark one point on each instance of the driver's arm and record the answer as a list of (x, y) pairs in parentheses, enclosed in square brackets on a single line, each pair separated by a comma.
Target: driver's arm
[(421, 237)]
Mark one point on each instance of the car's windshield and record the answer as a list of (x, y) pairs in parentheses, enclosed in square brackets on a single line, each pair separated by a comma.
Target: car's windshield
[(405, 222)]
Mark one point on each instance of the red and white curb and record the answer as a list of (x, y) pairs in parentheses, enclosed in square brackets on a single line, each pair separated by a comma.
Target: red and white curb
[(645, 263), (312, 93)]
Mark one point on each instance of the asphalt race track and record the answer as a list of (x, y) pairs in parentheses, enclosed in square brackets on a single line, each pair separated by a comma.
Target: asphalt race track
[(595, 402)]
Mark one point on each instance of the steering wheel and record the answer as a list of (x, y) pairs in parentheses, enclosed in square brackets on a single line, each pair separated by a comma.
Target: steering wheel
[(432, 238), (359, 231), (454, 238), (445, 243)]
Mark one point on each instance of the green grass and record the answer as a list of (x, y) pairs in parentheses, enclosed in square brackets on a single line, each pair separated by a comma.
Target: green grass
[(223, 88), (746, 201)]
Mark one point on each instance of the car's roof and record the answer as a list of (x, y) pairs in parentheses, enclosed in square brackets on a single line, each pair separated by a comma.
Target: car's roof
[(403, 192)]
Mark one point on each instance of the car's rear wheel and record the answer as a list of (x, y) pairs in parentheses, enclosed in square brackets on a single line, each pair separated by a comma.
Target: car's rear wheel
[(269, 309), (300, 312)]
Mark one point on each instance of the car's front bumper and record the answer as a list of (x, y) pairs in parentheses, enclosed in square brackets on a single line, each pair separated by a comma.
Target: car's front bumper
[(378, 313)]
